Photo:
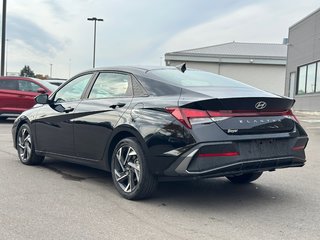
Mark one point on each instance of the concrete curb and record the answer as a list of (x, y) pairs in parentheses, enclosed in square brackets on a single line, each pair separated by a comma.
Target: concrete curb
[(307, 113)]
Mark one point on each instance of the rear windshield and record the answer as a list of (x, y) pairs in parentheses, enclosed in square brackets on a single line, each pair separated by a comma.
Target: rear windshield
[(195, 78)]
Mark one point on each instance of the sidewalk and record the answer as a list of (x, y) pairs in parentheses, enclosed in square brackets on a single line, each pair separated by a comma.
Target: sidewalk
[(306, 113)]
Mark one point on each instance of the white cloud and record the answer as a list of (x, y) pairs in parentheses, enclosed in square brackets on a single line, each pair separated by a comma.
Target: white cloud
[(139, 32), (268, 21)]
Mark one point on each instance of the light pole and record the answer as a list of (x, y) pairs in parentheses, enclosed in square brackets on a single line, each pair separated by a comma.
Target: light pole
[(50, 70), (7, 54), (69, 68), (94, 37), (3, 37)]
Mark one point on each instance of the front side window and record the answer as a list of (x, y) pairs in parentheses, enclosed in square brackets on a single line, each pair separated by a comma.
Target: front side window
[(110, 85), (28, 86), (73, 90)]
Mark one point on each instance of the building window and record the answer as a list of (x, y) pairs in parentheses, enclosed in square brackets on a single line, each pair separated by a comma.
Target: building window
[(318, 78), (302, 80), (309, 78)]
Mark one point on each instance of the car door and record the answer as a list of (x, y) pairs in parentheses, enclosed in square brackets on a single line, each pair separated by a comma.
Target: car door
[(27, 92), (8, 95), (54, 127), (17, 95), (99, 113)]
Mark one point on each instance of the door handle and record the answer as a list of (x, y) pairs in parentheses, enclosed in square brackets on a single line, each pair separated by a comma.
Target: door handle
[(120, 105), (68, 109)]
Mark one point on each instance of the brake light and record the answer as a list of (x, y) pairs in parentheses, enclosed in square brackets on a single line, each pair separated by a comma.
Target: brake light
[(248, 113), (187, 116), (290, 113)]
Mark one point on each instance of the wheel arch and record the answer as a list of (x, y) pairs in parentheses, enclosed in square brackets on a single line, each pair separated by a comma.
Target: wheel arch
[(118, 134), (22, 120)]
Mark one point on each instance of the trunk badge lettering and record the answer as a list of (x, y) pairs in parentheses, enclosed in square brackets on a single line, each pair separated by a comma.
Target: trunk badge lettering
[(232, 130), (258, 121), (260, 105)]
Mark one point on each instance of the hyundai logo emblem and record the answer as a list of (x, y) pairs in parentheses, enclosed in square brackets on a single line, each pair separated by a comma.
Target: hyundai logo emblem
[(260, 105)]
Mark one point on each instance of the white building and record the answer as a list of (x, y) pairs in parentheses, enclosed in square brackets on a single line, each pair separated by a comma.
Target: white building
[(262, 65), (303, 68)]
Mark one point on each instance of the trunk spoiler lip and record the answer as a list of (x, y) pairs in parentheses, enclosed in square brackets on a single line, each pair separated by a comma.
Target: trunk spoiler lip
[(222, 103)]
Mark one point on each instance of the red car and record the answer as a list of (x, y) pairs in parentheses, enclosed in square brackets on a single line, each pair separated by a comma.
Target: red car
[(17, 94)]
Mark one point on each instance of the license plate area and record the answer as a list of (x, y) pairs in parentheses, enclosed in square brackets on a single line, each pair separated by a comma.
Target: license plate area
[(265, 148)]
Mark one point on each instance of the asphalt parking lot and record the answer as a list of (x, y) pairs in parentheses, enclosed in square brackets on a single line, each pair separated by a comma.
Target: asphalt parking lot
[(66, 201)]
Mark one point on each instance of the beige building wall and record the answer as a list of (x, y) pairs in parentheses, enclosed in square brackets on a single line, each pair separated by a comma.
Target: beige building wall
[(270, 78)]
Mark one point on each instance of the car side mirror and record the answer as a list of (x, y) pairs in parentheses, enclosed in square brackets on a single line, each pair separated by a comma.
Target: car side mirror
[(42, 99), (41, 90)]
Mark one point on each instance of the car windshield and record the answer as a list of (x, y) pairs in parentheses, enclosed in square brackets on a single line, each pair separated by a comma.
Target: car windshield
[(194, 78), (48, 85)]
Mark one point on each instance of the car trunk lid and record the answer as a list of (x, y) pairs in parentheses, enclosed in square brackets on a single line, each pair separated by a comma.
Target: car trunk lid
[(236, 113)]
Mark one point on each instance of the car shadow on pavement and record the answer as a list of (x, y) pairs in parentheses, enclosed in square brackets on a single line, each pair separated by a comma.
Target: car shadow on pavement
[(218, 193), (7, 121), (75, 172)]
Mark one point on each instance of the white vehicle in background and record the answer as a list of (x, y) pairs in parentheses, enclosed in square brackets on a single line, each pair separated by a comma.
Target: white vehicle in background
[(56, 81)]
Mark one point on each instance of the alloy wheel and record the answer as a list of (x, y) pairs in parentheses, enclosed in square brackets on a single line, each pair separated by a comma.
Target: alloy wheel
[(127, 168), (24, 145)]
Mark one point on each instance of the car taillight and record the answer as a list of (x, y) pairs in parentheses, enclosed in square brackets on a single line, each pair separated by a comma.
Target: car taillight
[(291, 115), (189, 116), (221, 115)]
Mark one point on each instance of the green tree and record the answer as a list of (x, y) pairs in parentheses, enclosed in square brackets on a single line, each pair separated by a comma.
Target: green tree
[(26, 72)]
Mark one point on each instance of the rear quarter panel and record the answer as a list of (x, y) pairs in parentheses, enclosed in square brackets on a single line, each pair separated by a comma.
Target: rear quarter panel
[(163, 135)]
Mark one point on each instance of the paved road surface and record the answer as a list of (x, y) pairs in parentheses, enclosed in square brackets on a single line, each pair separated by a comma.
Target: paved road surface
[(66, 201)]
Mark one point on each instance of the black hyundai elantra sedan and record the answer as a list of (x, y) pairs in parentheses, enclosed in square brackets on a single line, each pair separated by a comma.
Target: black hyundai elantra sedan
[(147, 124)]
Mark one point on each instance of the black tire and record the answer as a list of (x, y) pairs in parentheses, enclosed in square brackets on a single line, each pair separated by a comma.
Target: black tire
[(130, 172), (245, 178), (25, 147)]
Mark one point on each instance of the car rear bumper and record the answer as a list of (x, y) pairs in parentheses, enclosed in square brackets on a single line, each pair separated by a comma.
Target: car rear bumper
[(216, 159)]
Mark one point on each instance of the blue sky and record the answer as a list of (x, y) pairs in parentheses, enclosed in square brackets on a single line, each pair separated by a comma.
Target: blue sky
[(44, 32)]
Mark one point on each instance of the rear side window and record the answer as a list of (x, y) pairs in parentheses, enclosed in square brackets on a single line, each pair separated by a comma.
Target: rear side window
[(194, 78), (9, 84), (28, 86), (111, 85)]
